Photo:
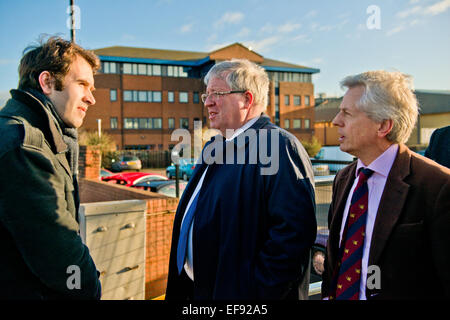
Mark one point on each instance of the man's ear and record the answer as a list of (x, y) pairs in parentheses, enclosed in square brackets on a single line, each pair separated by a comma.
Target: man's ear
[(47, 82), (248, 99), (385, 128)]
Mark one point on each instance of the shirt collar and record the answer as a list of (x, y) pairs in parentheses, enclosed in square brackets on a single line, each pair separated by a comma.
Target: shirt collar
[(383, 164), (246, 125)]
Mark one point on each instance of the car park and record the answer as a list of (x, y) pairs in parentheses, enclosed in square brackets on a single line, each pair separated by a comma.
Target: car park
[(126, 162), (131, 178), (186, 168)]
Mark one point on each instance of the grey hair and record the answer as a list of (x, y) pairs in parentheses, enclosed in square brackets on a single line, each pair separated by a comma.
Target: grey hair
[(241, 74), (387, 95)]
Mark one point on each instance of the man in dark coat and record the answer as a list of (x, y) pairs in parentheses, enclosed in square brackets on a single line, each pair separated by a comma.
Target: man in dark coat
[(389, 218), (43, 256), (253, 222), (439, 147)]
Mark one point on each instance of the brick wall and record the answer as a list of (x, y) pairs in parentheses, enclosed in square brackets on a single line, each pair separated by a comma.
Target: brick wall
[(89, 162)]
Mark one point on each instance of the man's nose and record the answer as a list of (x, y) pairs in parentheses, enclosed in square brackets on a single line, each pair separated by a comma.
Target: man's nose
[(89, 98), (336, 121)]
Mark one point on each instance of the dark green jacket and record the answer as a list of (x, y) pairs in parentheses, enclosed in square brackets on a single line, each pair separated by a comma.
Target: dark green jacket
[(42, 254)]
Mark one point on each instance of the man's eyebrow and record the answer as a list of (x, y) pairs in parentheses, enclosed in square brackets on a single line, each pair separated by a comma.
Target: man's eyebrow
[(85, 82)]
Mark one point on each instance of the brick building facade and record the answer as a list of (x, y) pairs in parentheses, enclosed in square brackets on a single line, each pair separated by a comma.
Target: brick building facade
[(144, 94)]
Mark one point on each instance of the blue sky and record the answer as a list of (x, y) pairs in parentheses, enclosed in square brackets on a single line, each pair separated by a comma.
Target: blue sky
[(337, 37)]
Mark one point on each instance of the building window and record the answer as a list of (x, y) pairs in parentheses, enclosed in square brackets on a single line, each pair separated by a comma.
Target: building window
[(171, 123), (171, 96), (142, 96), (297, 100), (130, 123), (156, 70), (142, 69), (183, 97), (170, 71), (184, 123), (113, 123), (307, 124), (113, 94), (157, 123), (142, 123), (127, 69), (307, 102), (297, 123), (286, 99), (195, 97), (286, 123), (109, 67), (127, 95), (157, 96)]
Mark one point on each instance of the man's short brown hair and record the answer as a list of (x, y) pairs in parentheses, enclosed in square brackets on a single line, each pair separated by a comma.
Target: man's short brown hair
[(55, 56)]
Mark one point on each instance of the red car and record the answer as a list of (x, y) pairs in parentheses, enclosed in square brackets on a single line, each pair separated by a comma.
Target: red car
[(131, 178)]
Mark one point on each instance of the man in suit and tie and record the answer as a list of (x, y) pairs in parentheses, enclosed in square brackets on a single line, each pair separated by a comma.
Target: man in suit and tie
[(439, 147), (244, 227), (389, 219)]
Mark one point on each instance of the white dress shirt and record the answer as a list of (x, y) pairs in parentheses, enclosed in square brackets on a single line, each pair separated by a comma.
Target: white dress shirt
[(381, 167)]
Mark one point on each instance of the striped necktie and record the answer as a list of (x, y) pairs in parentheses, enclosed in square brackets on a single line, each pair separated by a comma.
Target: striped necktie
[(352, 244)]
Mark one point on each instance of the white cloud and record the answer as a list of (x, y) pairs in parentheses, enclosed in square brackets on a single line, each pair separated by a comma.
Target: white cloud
[(186, 28), (289, 27), (230, 18), (408, 12), (437, 8), (262, 44), (302, 38), (217, 46), (243, 32), (395, 30), (311, 14), (431, 10), (267, 28)]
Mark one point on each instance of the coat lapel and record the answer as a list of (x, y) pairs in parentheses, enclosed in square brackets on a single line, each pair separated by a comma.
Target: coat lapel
[(391, 203)]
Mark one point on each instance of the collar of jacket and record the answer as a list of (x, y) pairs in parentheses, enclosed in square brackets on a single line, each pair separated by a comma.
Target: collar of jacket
[(261, 122), (52, 132)]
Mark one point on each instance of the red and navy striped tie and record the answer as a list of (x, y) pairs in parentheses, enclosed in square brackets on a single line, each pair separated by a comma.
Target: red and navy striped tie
[(348, 281)]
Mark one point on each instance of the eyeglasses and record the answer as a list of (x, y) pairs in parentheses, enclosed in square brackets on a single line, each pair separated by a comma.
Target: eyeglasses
[(219, 94)]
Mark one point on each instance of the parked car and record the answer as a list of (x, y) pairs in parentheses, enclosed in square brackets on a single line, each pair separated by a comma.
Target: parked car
[(185, 171), (131, 178), (105, 173), (334, 153), (167, 188), (126, 162)]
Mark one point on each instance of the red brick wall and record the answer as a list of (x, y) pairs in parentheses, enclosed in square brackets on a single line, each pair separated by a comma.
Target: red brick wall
[(89, 162)]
